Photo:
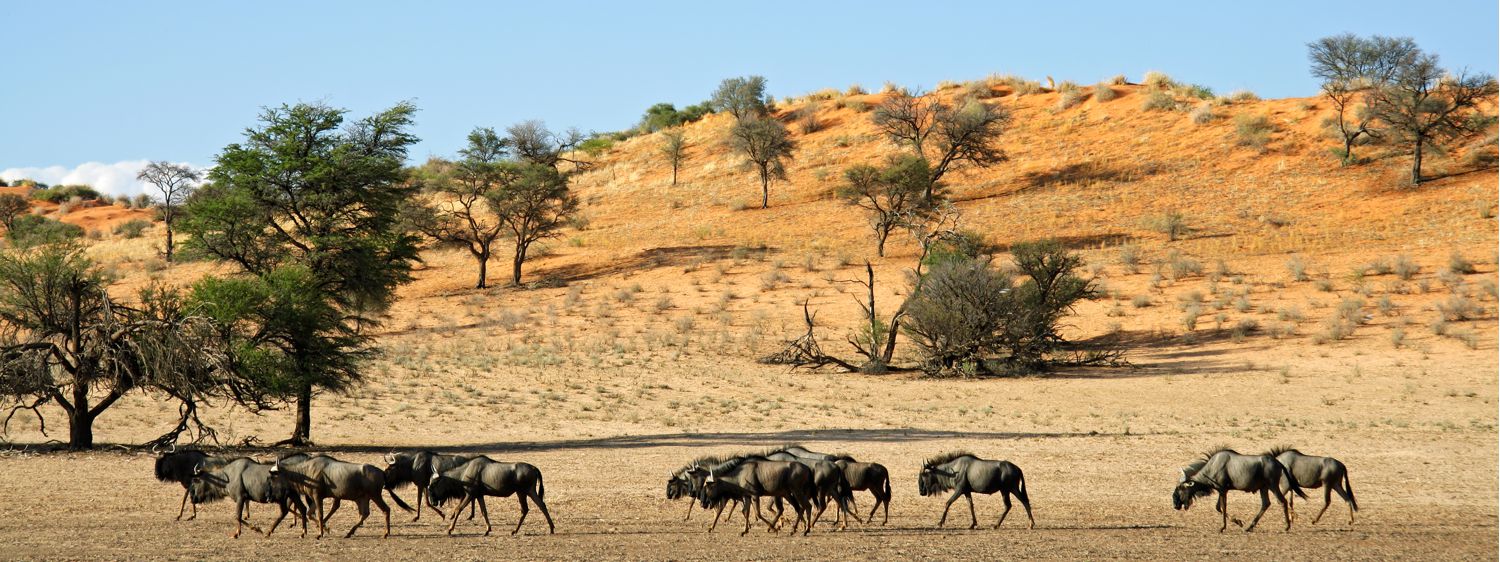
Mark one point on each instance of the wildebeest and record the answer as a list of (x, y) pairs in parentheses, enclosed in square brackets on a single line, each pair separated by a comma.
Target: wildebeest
[(244, 480), (1316, 472), (687, 481), (828, 479), (321, 476), (482, 476), (1225, 470), (967, 474), (747, 479), (177, 466), (871, 477), (416, 469)]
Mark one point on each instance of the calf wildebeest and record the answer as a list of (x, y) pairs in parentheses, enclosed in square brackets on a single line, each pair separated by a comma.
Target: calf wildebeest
[(1316, 472), (748, 479), (321, 476), (482, 476), (416, 469), (177, 466), (243, 480), (967, 474), (871, 477), (1225, 470)]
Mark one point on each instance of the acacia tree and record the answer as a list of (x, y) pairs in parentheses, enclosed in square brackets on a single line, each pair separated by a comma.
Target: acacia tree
[(312, 204), (175, 182), (766, 145), (941, 132), (66, 341), (461, 214), (531, 141), (1424, 105), (533, 205), (1349, 66), (892, 195), (674, 147), (12, 206), (743, 97)]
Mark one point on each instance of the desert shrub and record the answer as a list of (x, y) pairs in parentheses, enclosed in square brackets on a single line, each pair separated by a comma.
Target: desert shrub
[(1244, 328), (1459, 265), (132, 228), (1183, 266), (1323, 284), (1157, 80), (855, 90), (1141, 301), (62, 193), (1159, 101), (1243, 96), (596, 146), (1190, 317), (1385, 305), (1458, 308), (1130, 257), (1398, 336), (1297, 267), (143, 201), (807, 119), (1103, 93), (1253, 130), (1173, 224), (35, 230), (773, 279), (1070, 98), (963, 245), (965, 316), (1194, 91), (1202, 114)]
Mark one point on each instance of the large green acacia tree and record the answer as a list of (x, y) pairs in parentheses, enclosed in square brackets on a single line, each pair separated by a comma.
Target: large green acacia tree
[(308, 206)]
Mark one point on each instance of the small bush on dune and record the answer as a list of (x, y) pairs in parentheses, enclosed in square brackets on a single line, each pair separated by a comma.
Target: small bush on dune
[(132, 228), (1070, 98), (1103, 93), (1202, 114), (1159, 101), (1253, 130), (1240, 96), (1157, 80)]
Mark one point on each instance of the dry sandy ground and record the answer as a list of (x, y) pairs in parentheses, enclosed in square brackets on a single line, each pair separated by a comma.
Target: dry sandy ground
[(1100, 452)]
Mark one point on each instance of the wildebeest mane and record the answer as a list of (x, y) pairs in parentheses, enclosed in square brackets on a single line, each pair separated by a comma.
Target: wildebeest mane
[(1278, 450), (846, 457), (178, 466), (946, 457), (705, 461)]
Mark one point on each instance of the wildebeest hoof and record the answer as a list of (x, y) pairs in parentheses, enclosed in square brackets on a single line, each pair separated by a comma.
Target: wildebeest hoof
[(1237, 522)]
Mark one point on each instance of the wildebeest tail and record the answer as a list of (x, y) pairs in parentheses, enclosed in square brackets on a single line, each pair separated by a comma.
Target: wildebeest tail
[(887, 486), (541, 489), (1353, 504), (397, 499), (1022, 488), (1291, 480)]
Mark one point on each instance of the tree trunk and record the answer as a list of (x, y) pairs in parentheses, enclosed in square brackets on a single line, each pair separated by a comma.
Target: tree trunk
[(302, 434), (484, 263), (1416, 162), (80, 430), (880, 243), (674, 173), (765, 188), (169, 241), (1349, 149), (515, 270)]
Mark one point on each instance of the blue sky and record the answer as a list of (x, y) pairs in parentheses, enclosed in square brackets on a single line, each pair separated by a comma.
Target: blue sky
[(94, 88)]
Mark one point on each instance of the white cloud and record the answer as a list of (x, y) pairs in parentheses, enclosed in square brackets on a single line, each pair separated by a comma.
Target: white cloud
[(115, 179)]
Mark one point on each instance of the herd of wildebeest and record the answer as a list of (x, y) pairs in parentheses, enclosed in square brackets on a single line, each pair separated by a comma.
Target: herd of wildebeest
[(298, 483)]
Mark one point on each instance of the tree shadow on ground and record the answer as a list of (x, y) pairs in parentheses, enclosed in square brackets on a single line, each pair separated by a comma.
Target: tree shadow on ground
[(654, 258)]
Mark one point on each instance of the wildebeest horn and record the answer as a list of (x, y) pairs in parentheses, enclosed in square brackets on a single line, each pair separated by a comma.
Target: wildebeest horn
[(174, 447), (198, 468), (390, 458), (1184, 476)]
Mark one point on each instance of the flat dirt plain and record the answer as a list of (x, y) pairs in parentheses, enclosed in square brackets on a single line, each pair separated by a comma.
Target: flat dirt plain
[(644, 359)]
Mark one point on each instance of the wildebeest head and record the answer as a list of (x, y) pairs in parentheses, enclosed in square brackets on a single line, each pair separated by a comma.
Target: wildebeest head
[(712, 491), (677, 487), (398, 470), (206, 486), (442, 489), (1187, 490), (934, 480)]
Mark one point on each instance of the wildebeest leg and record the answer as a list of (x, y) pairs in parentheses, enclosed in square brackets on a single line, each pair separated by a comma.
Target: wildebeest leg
[(457, 512), (775, 521), (822, 502), (274, 524), (386, 509), (1348, 495), (746, 508), (546, 513), (1265, 503), (1004, 496), (183, 509), (334, 510), (364, 513), (322, 522), (690, 511), (1327, 498), (524, 508), (239, 518), (471, 509), (1223, 507), (973, 519), (948, 505), (873, 508), (485, 511), (717, 514)]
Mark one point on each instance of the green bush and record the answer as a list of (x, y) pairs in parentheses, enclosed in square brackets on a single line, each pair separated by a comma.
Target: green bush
[(596, 146), (132, 228), (1253, 130), (36, 230), (964, 245), (64, 192), (1159, 101)]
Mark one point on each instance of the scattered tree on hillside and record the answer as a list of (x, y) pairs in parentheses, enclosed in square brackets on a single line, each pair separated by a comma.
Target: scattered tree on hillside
[(1423, 105), (665, 116), (533, 205), (955, 134), (766, 145), (674, 147), (460, 213), (531, 141), (64, 340), (893, 195), (743, 97), (175, 182), (1349, 67), (12, 206), (310, 207), (36, 230)]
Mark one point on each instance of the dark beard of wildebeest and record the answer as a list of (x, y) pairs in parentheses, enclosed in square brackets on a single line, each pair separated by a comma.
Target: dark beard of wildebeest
[(871, 477), (966, 475), (1225, 470), (244, 480), (748, 479), (828, 479), (482, 476), (415, 469), (318, 477), (177, 466), (1316, 472)]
